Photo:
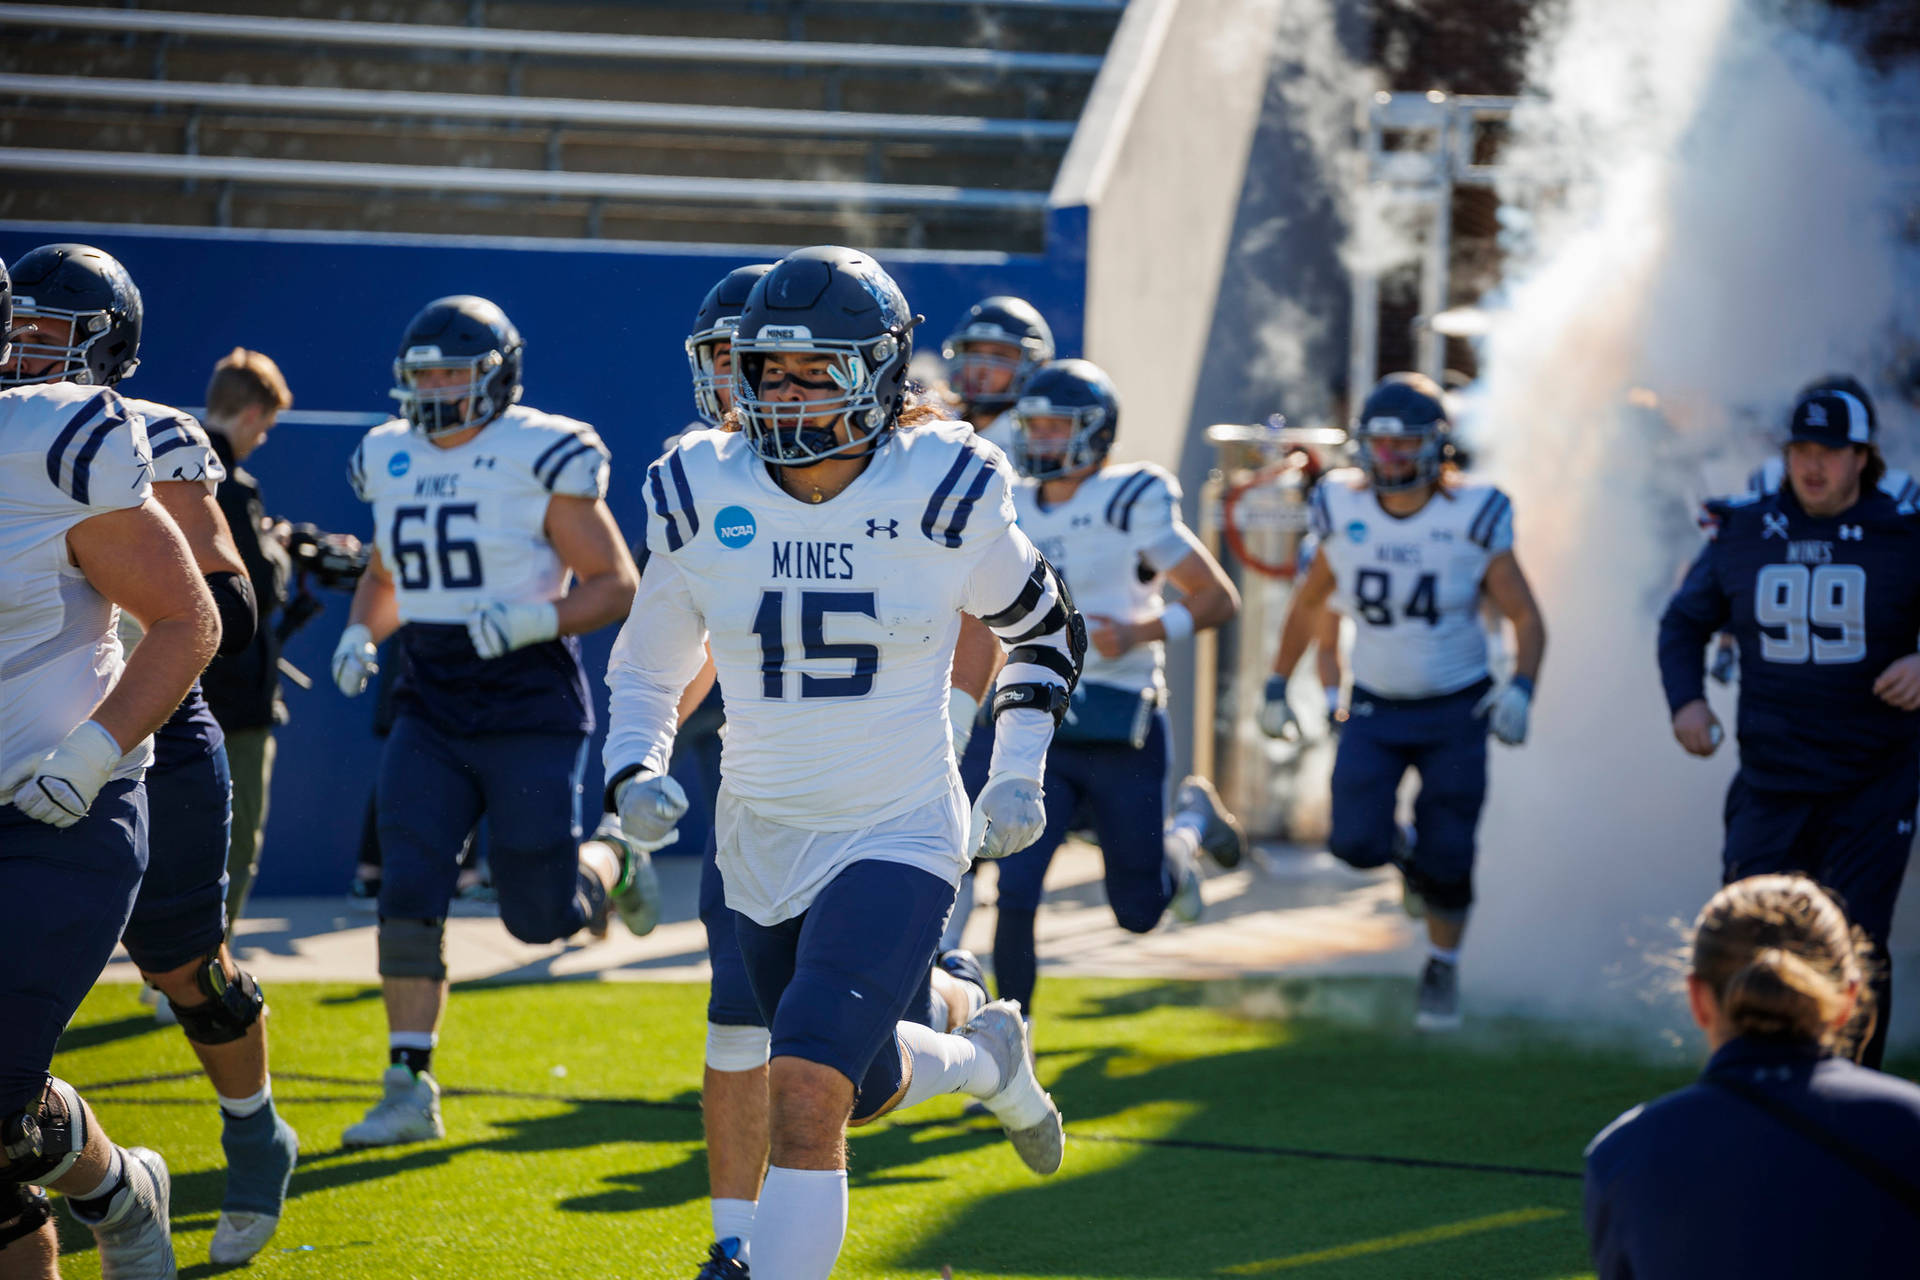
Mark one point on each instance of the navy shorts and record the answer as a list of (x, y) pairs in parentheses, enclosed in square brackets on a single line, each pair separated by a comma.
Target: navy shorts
[(1856, 843), (433, 791), (835, 981), (181, 913), (70, 890), (1118, 788), (730, 1001), (1443, 741)]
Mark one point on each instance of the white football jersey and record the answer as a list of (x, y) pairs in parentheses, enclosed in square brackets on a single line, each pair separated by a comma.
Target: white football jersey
[(999, 433), (1771, 474), (1412, 585), (465, 527), (1113, 541), (832, 627), (67, 453)]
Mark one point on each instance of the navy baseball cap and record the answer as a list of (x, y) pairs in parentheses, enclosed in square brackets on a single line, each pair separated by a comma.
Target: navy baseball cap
[(1831, 413)]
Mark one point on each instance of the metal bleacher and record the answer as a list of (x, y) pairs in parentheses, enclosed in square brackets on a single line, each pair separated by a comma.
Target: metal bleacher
[(906, 123)]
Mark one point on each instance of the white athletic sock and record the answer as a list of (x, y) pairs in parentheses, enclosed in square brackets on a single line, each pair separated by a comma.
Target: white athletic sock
[(733, 1220), (116, 1166), (1189, 824), (241, 1108), (800, 1224), (962, 909), (1441, 954), (945, 1064), (1182, 845), (412, 1040)]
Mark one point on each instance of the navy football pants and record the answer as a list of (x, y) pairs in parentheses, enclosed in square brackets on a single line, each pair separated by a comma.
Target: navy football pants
[(433, 790), (1856, 843), (834, 981), (69, 892), (1446, 744), (1121, 790), (181, 912)]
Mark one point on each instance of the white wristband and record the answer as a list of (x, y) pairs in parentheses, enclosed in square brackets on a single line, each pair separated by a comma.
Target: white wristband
[(1177, 621)]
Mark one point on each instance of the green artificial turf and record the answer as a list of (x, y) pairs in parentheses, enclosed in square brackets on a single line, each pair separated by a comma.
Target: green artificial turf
[(1202, 1124)]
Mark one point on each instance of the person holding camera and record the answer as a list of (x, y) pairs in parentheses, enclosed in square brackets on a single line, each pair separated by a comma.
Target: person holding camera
[(245, 397)]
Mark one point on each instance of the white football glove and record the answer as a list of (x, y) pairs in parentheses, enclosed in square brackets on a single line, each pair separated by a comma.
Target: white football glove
[(1505, 707), (650, 807), (499, 629), (353, 660), (1276, 717), (59, 787), (1009, 815)]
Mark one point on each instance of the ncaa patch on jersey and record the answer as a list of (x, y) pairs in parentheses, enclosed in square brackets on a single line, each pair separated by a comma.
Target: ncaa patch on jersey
[(734, 527), (397, 465), (1357, 531)]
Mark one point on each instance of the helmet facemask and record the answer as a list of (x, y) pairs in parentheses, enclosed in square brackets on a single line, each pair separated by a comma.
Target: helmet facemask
[(1085, 447), (968, 351), (799, 433), (1393, 466), (703, 355), (72, 360), (439, 411)]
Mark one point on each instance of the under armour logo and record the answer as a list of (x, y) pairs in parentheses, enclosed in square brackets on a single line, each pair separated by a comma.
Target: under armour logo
[(1082, 521), (1775, 525), (1816, 414), (1851, 533), (891, 528), (478, 463)]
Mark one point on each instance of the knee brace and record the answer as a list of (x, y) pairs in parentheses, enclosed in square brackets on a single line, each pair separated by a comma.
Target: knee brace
[(737, 1048), (43, 1140), (230, 1007), (23, 1211), (413, 948)]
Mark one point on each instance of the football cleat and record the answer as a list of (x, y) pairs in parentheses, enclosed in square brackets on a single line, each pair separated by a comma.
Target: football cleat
[(724, 1262), (1025, 1111), (1220, 835), (135, 1240), (408, 1111), (1437, 1006), (636, 895)]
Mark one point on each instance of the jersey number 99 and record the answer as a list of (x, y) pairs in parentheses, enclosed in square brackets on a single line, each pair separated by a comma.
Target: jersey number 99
[(459, 558), (1796, 599)]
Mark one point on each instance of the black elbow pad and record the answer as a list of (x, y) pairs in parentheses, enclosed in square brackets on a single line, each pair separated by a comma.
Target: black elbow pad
[(239, 615)]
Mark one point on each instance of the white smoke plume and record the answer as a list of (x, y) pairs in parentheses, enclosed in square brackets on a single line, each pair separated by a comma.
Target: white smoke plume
[(1713, 226)]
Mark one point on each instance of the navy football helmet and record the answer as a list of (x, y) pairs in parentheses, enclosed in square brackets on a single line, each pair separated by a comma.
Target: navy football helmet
[(1402, 406), (459, 332), (1075, 389), (713, 324), (90, 290), (834, 303), (1012, 321)]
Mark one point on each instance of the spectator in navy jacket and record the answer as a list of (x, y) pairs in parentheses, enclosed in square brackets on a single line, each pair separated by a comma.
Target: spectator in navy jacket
[(1786, 1159)]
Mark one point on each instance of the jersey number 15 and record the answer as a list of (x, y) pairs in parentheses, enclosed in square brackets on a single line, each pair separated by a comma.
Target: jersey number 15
[(769, 623)]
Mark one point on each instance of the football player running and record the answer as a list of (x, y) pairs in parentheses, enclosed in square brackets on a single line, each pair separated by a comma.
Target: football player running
[(827, 551), (83, 317), (733, 1091), (1407, 551), (80, 534), (1819, 584), (989, 355), (1114, 531), (484, 509)]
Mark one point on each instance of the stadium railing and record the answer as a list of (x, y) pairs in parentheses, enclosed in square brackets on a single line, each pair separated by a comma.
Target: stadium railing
[(445, 39), (580, 111)]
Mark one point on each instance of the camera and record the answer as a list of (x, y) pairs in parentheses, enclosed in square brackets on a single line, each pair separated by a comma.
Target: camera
[(334, 560)]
